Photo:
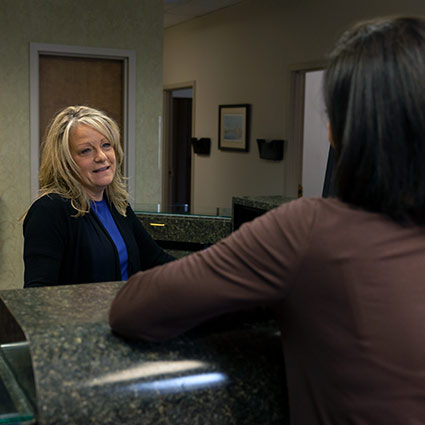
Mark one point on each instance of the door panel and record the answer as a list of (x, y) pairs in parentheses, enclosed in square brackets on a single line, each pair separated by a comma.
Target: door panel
[(73, 80)]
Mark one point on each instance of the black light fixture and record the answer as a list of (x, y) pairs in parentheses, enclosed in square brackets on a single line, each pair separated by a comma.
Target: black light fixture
[(270, 149), (201, 146)]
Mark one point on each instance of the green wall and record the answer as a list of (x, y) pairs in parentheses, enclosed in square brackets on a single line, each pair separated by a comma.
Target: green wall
[(122, 24)]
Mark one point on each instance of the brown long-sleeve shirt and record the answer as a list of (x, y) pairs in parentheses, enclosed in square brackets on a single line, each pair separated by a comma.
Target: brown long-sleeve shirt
[(348, 288)]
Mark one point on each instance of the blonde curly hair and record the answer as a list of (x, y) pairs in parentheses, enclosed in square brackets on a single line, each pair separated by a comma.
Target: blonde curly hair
[(59, 173)]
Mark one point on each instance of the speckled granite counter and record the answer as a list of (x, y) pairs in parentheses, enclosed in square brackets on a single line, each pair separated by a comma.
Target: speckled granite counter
[(186, 228), (263, 203), (246, 208), (229, 371), (181, 234)]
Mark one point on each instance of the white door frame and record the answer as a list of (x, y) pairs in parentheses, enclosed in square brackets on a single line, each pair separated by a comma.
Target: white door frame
[(129, 113)]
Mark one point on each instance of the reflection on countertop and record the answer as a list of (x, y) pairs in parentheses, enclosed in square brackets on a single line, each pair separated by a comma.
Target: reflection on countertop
[(227, 371)]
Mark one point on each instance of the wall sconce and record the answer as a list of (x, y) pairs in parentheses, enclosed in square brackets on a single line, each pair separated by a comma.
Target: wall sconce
[(270, 149), (201, 146)]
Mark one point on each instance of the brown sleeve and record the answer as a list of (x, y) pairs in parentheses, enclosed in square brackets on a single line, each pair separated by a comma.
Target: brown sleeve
[(253, 266)]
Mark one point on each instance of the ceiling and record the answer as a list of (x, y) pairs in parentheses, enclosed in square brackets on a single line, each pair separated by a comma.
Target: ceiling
[(178, 11)]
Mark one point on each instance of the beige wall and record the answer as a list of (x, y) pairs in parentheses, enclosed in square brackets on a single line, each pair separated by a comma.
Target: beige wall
[(243, 54), (121, 24)]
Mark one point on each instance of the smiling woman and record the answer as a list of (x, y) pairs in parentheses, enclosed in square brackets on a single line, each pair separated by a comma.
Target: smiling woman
[(81, 227), (95, 157)]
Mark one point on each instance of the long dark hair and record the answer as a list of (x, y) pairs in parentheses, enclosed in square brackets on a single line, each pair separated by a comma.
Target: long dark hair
[(374, 90)]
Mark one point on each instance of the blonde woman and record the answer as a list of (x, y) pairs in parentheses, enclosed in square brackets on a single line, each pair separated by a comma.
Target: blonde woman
[(81, 228)]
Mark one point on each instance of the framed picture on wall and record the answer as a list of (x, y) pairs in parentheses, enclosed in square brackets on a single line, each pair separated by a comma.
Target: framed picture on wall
[(233, 127)]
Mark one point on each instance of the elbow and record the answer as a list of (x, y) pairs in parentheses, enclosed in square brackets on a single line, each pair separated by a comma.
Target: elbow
[(132, 328), (117, 320), (128, 331), (125, 326)]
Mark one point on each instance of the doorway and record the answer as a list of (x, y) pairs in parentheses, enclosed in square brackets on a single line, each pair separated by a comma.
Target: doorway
[(315, 136), (177, 157), (305, 174)]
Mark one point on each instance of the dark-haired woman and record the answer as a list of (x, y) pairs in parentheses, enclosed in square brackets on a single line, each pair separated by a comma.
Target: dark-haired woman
[(346, 276)]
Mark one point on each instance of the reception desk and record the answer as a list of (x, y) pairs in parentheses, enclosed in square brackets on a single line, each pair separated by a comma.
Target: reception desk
[(61, 364), (183, 233)]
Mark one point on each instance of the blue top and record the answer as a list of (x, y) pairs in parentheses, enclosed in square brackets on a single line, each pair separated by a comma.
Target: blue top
[(104, 214)]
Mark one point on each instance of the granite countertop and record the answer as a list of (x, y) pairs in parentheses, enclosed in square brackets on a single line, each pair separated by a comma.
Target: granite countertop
[(261, 202), (227, 371), (186, 228)]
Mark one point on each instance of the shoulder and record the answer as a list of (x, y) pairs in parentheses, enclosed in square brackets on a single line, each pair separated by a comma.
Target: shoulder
[(297, 219), (49, 206), (52, 201), (310, 208), (297, 210), (330, 219), (324, 210)]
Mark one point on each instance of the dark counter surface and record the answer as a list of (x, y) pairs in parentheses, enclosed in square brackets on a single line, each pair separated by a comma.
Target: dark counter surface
[(182, 234), (228, 371), (186, 228), (246, 208), (264, 203)]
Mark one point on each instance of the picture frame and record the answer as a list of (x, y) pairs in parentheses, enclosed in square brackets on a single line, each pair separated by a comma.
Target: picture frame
[(233, 127)]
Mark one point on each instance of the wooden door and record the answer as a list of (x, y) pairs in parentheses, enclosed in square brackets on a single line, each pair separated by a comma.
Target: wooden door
[(74, 80)]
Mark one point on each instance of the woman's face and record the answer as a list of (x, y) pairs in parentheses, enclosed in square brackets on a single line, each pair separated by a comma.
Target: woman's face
[(95, 157)]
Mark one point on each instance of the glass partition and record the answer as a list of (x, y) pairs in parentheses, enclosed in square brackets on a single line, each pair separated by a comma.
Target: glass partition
[(17, 389), (185, 209)]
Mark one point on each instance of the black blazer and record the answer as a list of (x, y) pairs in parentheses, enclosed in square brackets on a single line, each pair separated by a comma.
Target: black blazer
[(59, 248)]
